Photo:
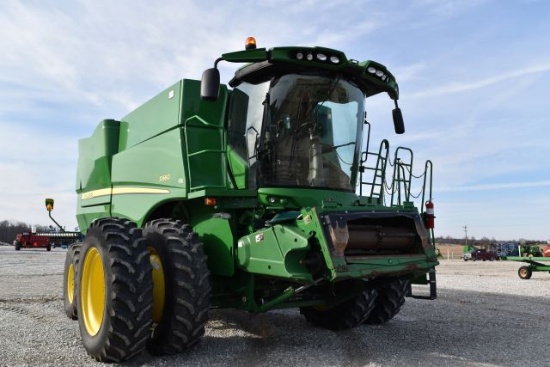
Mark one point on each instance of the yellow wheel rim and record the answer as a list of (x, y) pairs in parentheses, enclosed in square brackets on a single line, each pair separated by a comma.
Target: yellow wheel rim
[(158, 285), (92, 293), (523, 272), (70, 284)]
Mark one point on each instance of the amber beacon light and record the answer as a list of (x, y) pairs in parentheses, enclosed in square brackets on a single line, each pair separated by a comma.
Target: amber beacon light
[(250, 43)]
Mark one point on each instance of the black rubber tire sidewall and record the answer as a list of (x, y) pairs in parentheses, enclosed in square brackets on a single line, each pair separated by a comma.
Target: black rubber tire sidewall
[(71, 258), (186, 283), (345, 315), (528, 272), (128, 291), (390, 299)]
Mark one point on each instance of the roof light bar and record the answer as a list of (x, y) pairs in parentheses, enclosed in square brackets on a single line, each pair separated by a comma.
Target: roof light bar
[(312, 55), (379, 73)]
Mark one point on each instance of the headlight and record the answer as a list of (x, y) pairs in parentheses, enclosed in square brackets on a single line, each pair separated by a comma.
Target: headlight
[(379, 73), (312, 55)]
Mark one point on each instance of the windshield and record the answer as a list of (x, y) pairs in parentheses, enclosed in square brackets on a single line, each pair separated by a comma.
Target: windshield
[(301, 130)]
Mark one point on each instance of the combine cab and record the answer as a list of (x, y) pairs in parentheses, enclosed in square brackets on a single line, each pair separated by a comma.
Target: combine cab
[(255, 195)]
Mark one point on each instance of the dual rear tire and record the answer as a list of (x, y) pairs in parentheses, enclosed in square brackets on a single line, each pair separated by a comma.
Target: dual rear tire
[(137, 289)]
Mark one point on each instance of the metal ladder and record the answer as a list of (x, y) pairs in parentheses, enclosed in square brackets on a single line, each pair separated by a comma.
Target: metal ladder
[(375, 186), (402, 176)]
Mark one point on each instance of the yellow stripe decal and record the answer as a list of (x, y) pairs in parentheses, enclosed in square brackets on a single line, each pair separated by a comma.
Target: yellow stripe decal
[(121, 191)]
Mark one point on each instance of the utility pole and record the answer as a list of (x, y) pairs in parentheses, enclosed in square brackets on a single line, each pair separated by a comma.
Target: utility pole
[(466, 234)]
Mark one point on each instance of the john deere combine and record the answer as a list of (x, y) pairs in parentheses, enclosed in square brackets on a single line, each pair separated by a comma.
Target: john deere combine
[(255, 195)]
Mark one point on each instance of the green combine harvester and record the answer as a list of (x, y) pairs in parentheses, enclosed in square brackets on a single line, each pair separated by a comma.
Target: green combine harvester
[(256, 195)]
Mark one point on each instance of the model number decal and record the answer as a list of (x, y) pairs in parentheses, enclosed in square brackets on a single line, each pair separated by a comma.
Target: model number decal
[(164, 178)]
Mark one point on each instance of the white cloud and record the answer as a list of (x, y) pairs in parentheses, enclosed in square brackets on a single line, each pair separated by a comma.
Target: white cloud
[(473, 99), (459, 87)]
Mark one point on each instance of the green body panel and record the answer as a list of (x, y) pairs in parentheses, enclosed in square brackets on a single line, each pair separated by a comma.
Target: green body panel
[(206, 157), (94, 159), (282, 198), (275, 251), (239, 169), (157, 154), (168, 172), (218, 242)]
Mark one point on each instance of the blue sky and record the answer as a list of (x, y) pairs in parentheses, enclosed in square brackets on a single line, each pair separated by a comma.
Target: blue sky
[(474, 77)]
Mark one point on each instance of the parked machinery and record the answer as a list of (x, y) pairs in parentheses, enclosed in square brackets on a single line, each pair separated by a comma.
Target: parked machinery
[(256, 197)]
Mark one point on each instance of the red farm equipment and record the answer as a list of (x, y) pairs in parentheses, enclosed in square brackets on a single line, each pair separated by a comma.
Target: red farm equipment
[(47, 240)]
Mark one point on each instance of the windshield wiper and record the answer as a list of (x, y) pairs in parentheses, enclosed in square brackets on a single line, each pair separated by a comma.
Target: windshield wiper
[(332, 148)]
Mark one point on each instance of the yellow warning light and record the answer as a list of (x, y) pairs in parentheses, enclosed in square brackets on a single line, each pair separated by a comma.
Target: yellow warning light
[(250, 43), (210, 201), (49, 204)]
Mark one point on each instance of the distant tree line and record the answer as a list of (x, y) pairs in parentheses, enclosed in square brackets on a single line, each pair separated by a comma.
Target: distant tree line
[(9, 230), (483, 242)]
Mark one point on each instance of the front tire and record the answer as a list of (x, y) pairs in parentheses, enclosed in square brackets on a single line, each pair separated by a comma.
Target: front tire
[(345, 315), (115, 291), (181, 286), (389, 302)]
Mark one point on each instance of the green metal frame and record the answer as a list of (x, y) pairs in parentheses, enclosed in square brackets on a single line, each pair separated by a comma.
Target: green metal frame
[(535, 263)]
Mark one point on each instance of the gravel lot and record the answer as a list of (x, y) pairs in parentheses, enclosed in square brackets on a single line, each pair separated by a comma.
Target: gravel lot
[(485, 316)]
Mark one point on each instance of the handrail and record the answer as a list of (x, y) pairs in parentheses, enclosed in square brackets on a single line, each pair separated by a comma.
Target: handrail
[(426, 166), (402, 176)]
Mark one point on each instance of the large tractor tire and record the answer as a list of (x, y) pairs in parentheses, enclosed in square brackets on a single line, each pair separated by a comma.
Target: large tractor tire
[(69, 278), (114, 291), (345, 315), (390, 299), (181, 286)]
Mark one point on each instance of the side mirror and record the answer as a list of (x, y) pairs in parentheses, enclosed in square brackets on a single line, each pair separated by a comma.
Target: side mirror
[(398, 123), (210, 84)]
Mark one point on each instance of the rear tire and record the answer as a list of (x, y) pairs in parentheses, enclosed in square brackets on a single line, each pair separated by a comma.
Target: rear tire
[(69, 279), (345, 315), (389, 302), (114, 291), (181, 286)]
